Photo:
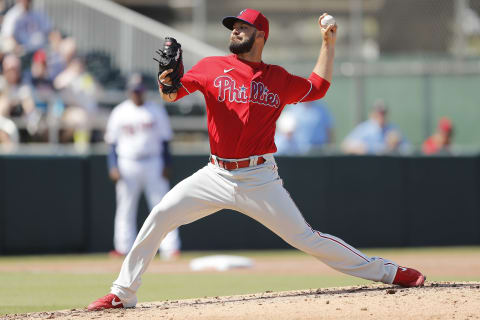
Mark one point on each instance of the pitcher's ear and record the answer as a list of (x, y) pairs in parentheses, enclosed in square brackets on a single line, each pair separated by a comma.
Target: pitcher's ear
[(261, 34)]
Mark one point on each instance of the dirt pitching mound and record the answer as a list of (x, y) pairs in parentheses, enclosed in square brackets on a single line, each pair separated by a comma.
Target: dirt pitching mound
[(443, 300)]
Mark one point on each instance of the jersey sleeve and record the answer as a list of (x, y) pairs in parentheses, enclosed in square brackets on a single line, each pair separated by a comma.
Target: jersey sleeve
[(112, 129), (299, 89), (165, 130), (193, 80)]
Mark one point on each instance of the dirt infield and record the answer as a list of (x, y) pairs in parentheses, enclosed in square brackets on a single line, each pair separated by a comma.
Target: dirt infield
[(437, 300), (445, 300)]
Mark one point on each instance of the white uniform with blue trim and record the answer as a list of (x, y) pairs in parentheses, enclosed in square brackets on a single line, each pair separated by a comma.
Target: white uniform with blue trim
[(138, 133)]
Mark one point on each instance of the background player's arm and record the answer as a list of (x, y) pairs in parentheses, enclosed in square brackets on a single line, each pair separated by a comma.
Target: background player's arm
[(112, 161), (163, 78), (167, 160), (111, 138), (324, 65)]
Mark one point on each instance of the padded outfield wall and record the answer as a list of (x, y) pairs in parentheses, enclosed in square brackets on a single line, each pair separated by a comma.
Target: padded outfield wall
[(51, 204)]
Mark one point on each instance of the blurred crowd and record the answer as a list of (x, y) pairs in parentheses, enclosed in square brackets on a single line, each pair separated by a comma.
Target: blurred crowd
[(308, 128), (46, 94)]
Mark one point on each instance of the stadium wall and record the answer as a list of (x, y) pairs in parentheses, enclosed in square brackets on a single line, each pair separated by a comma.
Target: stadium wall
[(55, 204)]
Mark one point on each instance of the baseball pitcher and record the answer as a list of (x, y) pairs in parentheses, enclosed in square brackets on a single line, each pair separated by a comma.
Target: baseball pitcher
[(244, 98)]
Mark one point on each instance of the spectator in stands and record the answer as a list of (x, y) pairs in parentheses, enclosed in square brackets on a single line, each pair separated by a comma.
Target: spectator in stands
[(16, 99), (284, 135), (60, 52), (304, 128), (78, 90), (3, 10), (376, 135), (43, 92), (9, 137), (3, 44), (40, 81), (75, 82), (24, 29), (440, 141)]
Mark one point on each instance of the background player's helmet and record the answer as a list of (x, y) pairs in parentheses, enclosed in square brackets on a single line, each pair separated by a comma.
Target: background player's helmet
[(136, 83)]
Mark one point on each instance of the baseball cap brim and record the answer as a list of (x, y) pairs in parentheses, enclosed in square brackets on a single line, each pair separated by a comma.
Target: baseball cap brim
[(228, 22)]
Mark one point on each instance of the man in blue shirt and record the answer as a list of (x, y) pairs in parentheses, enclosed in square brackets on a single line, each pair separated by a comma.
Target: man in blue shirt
[(376, 135), (304, 128), (28, 28)]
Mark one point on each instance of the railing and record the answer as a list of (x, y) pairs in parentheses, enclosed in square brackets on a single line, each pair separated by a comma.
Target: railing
[(130, 40), (127, 36)]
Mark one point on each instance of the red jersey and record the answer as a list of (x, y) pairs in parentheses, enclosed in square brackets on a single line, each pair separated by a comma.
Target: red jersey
[(430, 146), (244, 100)]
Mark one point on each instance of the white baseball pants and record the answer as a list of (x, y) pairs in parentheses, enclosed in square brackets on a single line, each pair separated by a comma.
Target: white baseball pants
[(136, 176), (257, 192)]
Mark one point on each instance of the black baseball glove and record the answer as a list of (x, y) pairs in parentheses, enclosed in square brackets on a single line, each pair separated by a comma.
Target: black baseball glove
[(170, 58)]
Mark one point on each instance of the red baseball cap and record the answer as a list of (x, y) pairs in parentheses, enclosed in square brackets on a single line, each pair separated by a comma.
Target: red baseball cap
[(445, 125), (252, 17), (40, 56)]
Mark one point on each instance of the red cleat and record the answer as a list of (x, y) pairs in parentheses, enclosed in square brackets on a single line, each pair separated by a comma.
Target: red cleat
[(110, 301), (408, 277)]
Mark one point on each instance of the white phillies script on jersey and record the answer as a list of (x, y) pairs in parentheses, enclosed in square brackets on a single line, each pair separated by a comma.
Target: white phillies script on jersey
[(259, 92)]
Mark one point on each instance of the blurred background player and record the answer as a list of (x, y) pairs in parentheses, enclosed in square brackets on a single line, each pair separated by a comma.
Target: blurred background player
[(440, 141), (376, 135), (138, 133)]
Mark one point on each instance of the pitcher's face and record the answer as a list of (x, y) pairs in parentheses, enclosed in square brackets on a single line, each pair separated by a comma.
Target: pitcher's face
[(242, 37)]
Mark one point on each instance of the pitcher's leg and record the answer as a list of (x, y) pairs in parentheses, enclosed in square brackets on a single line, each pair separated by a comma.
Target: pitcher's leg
[(273, 207), (190, 200)]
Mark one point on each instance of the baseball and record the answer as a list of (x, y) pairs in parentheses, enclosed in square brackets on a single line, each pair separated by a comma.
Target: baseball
[(327, 20)]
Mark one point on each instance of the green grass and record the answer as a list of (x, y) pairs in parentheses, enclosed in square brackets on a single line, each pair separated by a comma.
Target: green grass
[(22, 292)]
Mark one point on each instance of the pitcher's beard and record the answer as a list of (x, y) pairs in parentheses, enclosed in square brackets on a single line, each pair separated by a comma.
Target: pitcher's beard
[(242, 47)]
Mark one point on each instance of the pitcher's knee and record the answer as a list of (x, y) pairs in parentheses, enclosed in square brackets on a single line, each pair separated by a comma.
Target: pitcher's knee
[(161, 214), (305, 241)]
